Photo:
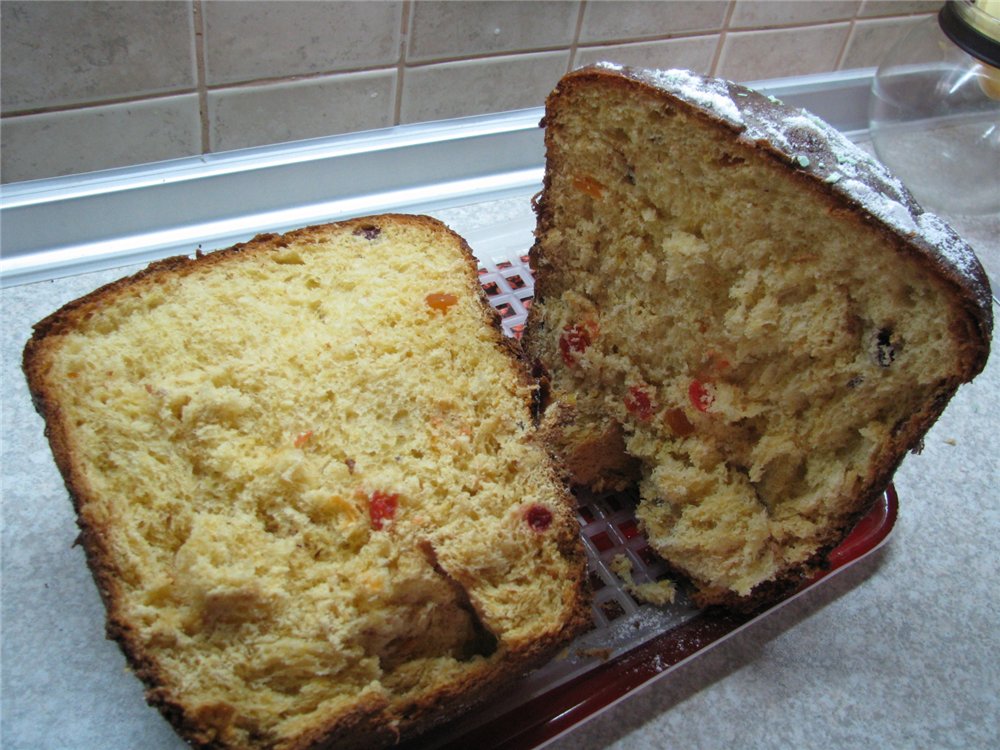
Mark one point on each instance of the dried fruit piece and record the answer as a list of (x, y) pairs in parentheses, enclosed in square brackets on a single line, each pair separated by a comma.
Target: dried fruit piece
[(538, 517), (303, 438), (382, 508), (885, 347), (716, 361), (678, 422), (590, 186), (575, 339), (712, 365), (368, 231), (639, 404), (441, 301), (701, 398)]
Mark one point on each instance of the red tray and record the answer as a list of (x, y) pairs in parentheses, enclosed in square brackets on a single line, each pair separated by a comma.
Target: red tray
[(632, 644)]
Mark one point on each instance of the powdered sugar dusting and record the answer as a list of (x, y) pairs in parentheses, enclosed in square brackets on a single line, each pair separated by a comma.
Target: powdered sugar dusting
[(709, 93), (850, 158), (881, 206), (765, 130), (948, 243)]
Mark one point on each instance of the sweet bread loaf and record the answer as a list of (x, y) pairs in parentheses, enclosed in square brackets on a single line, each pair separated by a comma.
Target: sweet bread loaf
[(309, 485), (743, 312)]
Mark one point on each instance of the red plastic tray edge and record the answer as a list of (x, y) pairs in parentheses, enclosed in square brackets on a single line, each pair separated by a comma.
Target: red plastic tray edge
[(548, 716)]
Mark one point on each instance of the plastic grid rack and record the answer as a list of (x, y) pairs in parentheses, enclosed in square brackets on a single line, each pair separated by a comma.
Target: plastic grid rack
[(510, 288), (607, 522)]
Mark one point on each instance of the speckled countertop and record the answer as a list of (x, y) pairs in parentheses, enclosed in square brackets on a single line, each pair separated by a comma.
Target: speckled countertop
[(901, 650)]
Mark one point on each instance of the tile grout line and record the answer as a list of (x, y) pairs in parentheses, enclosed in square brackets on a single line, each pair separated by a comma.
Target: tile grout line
[(404, 44), (571, 48), (203, 88), (723, 32), (574, 44), (197, 14), (109, 102), (839, 62)]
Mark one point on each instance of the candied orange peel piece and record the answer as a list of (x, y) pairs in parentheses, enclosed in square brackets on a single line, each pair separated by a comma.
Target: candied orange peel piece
[(441, 301), (588, 185)]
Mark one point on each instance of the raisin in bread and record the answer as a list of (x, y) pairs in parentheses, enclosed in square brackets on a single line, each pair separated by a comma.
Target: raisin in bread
[(743, 312), (309, 485)]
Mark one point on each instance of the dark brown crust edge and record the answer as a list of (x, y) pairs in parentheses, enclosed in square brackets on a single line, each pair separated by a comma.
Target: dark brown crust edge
[(971, 289), (371, 724)]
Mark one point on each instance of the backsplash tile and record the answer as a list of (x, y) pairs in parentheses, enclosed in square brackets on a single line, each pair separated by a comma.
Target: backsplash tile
[(69, 53), (279, 112), (143, 81), (442, 30), (91, 138), (620, 20), (247, 41), (694, 53), (871, 8), (776, 53), (473, 87), (872, 39), (769, 13)]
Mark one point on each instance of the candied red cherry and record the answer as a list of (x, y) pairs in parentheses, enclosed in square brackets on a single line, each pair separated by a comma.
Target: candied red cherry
[(538, 517), (701, 398), (638, 403), (575, 339), (382, 508)]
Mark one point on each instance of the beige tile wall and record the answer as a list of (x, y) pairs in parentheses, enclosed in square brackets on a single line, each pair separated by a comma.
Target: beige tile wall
[(96, 84)]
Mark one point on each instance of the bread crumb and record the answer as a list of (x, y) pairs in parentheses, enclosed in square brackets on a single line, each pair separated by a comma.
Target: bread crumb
[(658, 593), (600, 653)]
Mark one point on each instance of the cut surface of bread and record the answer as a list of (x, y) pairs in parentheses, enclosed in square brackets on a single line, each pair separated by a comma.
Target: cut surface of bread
[(309, 485), (741, 311)]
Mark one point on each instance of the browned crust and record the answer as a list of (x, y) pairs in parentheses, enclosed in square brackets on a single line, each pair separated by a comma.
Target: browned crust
[(373, 722), (969, 286)]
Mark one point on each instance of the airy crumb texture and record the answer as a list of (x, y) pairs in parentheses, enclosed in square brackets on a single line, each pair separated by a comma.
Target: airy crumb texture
[(755, 340), (309, 485)]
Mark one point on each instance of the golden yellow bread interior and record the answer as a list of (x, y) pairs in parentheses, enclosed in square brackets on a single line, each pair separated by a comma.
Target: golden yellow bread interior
[(309, 485), (735, 313)]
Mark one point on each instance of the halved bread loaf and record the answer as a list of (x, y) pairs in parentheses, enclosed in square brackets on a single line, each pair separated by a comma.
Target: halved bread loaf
[(742, 311), (309, 486)]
